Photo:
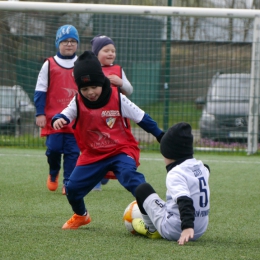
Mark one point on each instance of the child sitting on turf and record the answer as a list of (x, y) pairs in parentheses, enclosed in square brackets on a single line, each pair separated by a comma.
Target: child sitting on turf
[(184, 215), (105, 50), (103, 135)]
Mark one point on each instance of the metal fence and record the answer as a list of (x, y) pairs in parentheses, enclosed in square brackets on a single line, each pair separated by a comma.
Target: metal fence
[(182, 68)]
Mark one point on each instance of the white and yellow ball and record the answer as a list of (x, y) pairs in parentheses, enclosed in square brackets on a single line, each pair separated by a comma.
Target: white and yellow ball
[(132, 211)]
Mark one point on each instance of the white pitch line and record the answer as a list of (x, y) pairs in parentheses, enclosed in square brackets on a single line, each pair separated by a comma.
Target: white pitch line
[(21, 155), (216, 161), (142, 158)]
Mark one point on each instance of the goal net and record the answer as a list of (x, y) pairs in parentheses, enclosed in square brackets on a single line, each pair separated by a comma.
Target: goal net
[(171, 61)]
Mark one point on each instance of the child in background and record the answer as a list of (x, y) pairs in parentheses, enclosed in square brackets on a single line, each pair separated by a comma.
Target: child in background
[(184, 215), (54, 90), (103, 135), (105, 50)]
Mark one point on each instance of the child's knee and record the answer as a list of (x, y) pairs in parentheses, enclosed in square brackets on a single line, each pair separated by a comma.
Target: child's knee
[(143, 191)]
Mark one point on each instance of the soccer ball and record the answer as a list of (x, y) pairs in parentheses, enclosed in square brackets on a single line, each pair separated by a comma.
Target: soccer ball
[(132, 211)]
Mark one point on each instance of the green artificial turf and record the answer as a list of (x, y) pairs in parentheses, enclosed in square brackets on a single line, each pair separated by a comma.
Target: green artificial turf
[(32, 216)]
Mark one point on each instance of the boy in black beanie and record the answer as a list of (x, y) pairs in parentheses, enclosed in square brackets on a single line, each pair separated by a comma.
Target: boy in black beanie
[(103, 135), (184, 215)]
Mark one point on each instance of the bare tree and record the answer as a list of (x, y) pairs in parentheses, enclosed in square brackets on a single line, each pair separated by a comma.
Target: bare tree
[(8, 44), (189, 24)]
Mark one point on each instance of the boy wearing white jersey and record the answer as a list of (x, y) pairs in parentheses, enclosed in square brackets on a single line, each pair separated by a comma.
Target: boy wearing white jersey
[(184, 215)]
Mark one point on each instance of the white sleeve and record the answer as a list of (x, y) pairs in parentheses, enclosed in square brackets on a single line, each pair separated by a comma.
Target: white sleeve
[(131, 110), (71, 110), (42, 81), (127, 88)]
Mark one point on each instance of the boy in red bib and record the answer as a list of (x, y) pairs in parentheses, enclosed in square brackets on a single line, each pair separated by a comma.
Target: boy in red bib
[(54, 90), (105, 50), (103, 135)]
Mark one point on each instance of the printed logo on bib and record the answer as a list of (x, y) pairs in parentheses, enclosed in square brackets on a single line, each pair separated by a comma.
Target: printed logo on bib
[(110, 121), (100, 140), (110, 113), (71, 92)]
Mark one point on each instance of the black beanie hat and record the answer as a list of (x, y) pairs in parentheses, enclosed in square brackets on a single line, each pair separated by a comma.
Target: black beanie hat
[(177, 142), (88, 71)]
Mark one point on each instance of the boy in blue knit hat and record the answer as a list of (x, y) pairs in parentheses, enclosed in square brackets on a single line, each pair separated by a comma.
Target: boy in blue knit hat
[(54, 89)]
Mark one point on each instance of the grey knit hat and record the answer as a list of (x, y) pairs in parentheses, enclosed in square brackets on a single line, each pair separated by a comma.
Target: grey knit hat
[(99, 41)]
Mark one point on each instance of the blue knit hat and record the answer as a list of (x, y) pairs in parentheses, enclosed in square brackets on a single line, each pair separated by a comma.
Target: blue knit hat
[(65, 32), (99, 41)]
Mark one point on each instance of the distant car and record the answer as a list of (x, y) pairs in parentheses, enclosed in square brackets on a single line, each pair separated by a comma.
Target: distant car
[(16, 110), (225, 109)]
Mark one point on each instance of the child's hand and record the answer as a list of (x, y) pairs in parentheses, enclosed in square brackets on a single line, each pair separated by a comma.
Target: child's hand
[(41, 121), (115, 80), (59, 123), (186, 234)]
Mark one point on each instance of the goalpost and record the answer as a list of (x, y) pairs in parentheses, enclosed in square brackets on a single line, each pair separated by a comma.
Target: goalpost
[(169, 54), (127, 9)]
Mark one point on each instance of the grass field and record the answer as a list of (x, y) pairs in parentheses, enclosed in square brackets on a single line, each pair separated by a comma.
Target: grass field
[(31, 216)]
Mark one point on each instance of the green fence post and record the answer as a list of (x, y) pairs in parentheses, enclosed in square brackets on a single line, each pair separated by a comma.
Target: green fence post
[(167, 72)]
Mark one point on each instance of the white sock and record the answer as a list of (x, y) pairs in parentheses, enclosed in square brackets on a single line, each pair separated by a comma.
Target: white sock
[(149, 223)]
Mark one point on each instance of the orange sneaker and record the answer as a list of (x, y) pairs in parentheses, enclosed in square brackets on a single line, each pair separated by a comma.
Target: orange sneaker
[(76, 221), (53, 185), (63, 190)]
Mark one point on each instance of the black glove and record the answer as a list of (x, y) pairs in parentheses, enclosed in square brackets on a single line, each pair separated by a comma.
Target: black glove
[(159, 137)]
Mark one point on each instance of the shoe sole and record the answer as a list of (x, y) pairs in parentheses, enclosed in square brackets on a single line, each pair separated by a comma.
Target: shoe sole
[(144, 232)]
